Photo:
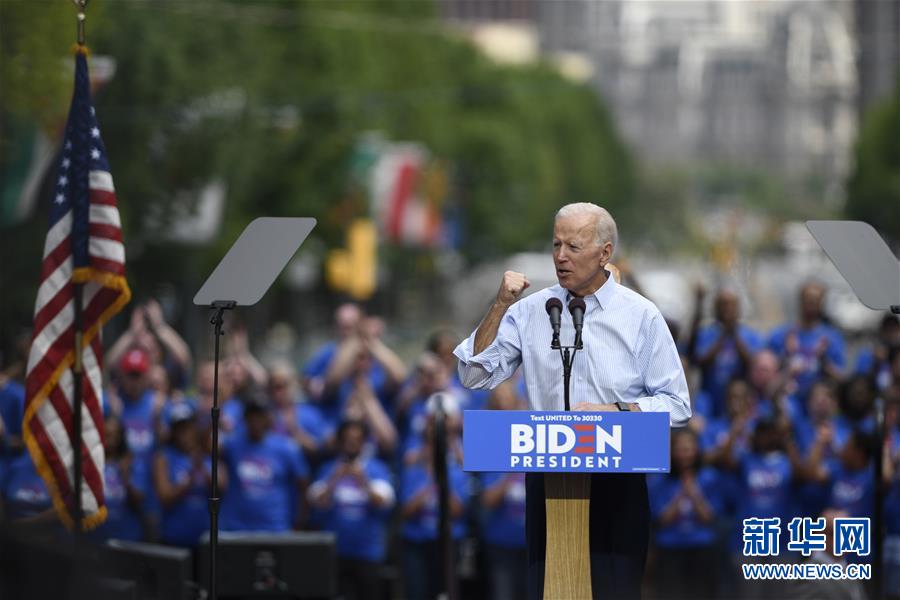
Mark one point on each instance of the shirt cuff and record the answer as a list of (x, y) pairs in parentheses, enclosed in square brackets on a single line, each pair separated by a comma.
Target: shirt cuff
[(488, 358)]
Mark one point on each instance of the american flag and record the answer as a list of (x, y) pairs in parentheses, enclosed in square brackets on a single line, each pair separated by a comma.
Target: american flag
[(83, 246)]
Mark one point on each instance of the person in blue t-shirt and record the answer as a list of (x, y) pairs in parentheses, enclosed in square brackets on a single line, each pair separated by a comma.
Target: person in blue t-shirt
[(347, 318), (124, 492), (362, 359), (811, 348), (819, 437), (352, 498), (181, 475), (25, 502), (725, 348), (685, 504), (12, 410), (442, 343), (294, 417), (136, 405), (267, 475), (766, 474), (853, 480), (503, 503), (857, 404), (874, 361), (430, 377), (419, 512)]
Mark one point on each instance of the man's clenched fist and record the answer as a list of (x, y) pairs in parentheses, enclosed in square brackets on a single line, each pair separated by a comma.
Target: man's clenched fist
[(512, 287)]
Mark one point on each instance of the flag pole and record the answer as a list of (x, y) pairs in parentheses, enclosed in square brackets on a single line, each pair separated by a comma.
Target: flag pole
[(77, 370), (81, 5)]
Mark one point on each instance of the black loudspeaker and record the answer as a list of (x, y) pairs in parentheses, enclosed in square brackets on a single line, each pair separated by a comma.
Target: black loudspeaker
[(159, 572), (266, 565)]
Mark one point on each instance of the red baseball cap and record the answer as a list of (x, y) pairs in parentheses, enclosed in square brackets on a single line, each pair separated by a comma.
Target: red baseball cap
[(135, 361)]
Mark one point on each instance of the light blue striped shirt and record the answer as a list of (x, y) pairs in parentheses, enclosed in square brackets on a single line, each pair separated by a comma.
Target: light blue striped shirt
[(628, 356)]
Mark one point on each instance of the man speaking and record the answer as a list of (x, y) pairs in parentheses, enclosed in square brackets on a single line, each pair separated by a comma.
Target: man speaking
[(629, 362)]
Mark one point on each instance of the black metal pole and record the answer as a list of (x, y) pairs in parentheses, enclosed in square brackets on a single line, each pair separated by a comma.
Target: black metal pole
[(877, 516), (567, 376), (445, 538), (216, 321), (77, 379)]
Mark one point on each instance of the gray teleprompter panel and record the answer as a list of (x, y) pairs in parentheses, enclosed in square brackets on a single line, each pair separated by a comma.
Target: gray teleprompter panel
[(255, 260), (863, 258)]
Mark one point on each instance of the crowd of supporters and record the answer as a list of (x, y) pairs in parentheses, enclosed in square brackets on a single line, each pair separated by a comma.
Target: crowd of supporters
[(783, 425)]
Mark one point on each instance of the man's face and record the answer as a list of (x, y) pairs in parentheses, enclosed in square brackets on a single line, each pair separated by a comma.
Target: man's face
[(579, 261), (727, 307), (811, 297), (133, 384), (763, 370)]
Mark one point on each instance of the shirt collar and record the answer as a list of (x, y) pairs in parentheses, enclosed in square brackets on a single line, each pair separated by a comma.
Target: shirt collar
[(603, 295)]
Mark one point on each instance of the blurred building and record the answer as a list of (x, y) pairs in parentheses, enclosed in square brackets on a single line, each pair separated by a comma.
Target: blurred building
[(878, 32), (768, 85)]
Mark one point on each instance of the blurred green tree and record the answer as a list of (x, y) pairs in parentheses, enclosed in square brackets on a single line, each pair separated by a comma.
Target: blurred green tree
[(269, 98), (874, 186)]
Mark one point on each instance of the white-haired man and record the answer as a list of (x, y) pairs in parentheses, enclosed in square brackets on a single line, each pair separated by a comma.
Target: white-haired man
[(629, 362)]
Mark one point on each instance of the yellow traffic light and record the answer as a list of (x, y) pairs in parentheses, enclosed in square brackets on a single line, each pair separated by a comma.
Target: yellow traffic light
[(354, 269)]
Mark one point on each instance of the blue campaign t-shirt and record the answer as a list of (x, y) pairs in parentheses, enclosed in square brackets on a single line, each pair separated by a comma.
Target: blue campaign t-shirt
[(412, 427), (360, 527), (806, 358), (892, 507), (317, 365), (122, 521), (24, 492), (262, 483), (765, 485), (137, 424), (309, 417), (423, 526), (12, 406), (504, 525), (185, 521), (853, 491), (687, 530), (727, 362)]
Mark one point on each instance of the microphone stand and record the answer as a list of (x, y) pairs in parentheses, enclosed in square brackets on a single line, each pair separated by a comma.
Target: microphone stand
[(216, 321), (567, 360)]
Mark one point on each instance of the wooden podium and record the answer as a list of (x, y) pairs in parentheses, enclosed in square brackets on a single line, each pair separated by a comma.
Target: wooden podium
[(567, 570), (568, 449)]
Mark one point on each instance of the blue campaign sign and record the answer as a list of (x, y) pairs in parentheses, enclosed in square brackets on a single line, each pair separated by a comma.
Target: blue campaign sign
[(551, 441)]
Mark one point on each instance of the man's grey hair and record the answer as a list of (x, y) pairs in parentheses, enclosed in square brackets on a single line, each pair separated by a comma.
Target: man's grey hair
[(606, 226)]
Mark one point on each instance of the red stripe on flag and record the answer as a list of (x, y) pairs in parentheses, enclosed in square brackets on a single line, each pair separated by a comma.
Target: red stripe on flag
[(45, 367), (108, 266), (583, 449), (102, 197), (42, 371), (583, 427), (56, 257), (585, 439), (52, 457), (52, 308), (105, 230), (65, 411)]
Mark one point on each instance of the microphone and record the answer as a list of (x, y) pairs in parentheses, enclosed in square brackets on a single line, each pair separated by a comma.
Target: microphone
[(554, 309), (577, 308)]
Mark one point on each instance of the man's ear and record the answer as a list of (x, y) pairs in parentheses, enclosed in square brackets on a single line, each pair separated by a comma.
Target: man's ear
[(606, 255)]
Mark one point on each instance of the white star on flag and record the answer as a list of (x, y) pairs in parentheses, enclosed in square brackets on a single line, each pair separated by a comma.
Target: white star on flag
[(95, 132), (95, 154), (63, 180)]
